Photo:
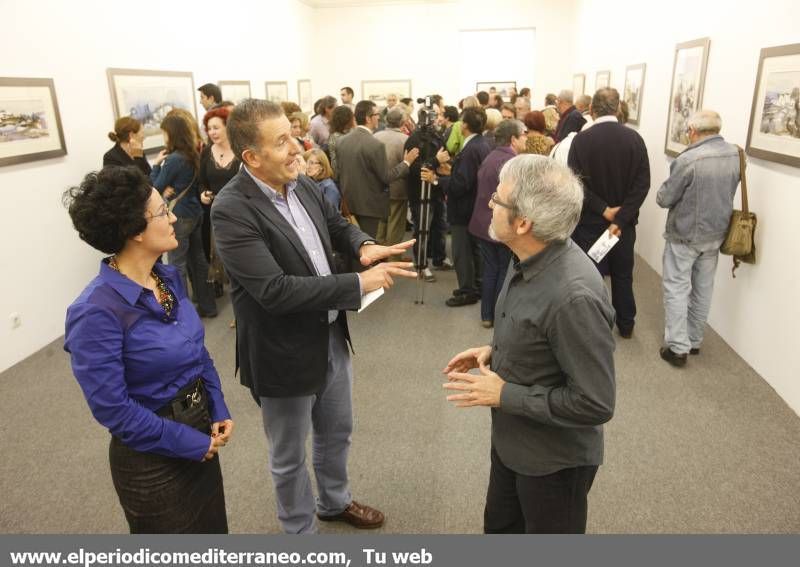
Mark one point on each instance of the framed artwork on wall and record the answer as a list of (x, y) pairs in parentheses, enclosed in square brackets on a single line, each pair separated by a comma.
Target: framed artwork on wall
[(148, 96), (30, 125), (632, 91), (377, 91), (602, 80), (578, 84), (277, 91), (304, 95), (774, 132), (503, 88), (686, 92), (235, 91)]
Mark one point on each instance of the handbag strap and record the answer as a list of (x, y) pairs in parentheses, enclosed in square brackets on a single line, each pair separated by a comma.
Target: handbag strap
[(174, 202), (743, 179)]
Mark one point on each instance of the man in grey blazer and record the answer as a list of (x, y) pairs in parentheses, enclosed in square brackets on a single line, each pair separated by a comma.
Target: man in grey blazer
[(364, 175), (394, 140), (275, 234)]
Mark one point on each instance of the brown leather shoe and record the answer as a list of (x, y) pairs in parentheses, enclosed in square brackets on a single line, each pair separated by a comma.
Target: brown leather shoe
[(357, 515)]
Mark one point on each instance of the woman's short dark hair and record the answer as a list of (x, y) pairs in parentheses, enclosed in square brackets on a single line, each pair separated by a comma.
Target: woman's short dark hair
[(341, 119), (108, 207), (535, 121)]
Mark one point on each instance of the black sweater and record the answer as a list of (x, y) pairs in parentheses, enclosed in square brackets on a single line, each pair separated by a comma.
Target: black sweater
[(117, 156), (611, 160)]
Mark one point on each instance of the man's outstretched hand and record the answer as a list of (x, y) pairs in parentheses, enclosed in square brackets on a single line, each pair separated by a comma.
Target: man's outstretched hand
[(371, 253)]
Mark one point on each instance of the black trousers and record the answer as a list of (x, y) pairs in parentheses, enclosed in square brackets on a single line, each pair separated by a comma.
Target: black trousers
[(618, 264), (551, 504)]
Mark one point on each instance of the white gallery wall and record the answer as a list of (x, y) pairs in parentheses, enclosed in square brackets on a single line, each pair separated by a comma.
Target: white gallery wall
[(758, 312), (44, 264), (421, 41)]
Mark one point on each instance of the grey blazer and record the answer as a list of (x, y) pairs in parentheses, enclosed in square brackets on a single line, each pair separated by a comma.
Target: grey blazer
[(281, 305), (364, 174), (394, 141)]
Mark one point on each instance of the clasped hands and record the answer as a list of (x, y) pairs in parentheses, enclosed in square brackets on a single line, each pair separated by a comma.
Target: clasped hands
[(220, 435), (380, 275), (482, 389), (610, 213)]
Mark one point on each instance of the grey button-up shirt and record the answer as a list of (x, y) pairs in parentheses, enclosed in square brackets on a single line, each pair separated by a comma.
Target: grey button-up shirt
[(296, 215), (553, 345)]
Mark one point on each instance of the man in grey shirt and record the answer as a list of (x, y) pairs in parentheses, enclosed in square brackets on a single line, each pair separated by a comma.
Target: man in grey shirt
[(549, 373)]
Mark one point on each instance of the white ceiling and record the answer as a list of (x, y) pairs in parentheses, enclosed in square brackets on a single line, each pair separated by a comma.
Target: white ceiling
[(348, 3)]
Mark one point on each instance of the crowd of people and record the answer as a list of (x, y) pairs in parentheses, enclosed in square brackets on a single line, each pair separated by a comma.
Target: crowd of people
[(302, 217)]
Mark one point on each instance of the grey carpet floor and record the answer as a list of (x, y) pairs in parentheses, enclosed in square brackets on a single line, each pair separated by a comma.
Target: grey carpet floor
[(710, 448)]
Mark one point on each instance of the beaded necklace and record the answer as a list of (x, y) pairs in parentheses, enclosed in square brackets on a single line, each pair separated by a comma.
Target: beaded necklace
[(165, 297)]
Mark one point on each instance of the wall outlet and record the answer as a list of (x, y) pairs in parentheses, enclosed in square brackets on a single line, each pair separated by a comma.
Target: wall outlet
[(16, 320)]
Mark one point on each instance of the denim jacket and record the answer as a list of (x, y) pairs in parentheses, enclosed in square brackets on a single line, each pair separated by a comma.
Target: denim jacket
[(699, 192)]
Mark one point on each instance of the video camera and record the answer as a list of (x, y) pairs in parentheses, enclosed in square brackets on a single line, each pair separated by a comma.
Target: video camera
[(426, 117)]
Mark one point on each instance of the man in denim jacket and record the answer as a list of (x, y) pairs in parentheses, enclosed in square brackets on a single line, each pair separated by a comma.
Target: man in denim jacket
[(699, 195)]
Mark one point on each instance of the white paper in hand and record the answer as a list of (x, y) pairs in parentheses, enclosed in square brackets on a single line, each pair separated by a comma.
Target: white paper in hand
[(369, 297), (600, 248)]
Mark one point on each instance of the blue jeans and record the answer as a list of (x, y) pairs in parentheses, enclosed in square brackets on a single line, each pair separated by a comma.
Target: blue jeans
[(190, 260), (688, 283), (495, 257), (287, 422)]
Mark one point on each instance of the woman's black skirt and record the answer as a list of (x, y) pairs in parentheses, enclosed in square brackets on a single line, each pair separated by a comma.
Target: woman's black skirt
[(167, 494)]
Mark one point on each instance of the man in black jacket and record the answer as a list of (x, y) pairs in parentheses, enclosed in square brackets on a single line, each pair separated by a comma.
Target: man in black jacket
[(460, 189), (571, 118), (612, 162), (275, 234)]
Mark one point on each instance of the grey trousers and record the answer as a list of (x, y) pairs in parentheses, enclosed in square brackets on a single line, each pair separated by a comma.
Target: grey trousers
[(464, 250), (287, 422)]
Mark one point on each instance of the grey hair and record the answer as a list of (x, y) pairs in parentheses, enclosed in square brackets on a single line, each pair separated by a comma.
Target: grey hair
[(244, 120), (396, 116), (705, 122), (546, 193), (605, 102), (506, 130), (565, 95), (584, 101)]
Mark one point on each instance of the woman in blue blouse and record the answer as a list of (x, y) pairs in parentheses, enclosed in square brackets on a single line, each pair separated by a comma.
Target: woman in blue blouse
[(319, 169), (175, 175), (137, 351)]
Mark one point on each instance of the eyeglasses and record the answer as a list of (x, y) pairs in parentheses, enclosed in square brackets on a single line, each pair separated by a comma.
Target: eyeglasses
[(494, 198), (163, 211)]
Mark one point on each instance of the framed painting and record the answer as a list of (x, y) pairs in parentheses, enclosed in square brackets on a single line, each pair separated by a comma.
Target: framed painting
[(602, 80), (578, 84), (234, 91), (377, 91), (503, 88), (304, 95), (30, 125), (774, 133), (686, 92), (277, 91), (632, 91), (148, 96)]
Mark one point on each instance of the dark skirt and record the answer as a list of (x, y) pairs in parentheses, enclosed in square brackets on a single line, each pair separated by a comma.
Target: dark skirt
[(169, 495)]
